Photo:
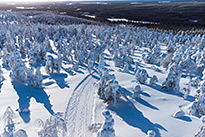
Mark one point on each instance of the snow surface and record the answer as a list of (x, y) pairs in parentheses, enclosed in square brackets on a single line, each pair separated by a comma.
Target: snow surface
[(75, 94)]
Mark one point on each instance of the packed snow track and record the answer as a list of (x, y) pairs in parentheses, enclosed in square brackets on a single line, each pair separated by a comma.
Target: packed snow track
[(79, 111)]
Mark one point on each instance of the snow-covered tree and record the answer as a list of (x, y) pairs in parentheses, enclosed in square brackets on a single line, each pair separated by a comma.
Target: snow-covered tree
[(18, 67), (172, 80), (153, 80), (136, 67), (108, 88), (166, 60), (126, 67), (1, 75), (107, 129), (38, 78), (75, 66), (90, 64), (9, 129), (187, 89), (52, 65), (195, 81), (198, 106), (8, 120), (188, 65), (53, 127), (141, 76), (137, 90), (201, 131)]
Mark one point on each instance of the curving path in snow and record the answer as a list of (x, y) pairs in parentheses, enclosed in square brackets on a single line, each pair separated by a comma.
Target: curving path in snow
[(79, 111)]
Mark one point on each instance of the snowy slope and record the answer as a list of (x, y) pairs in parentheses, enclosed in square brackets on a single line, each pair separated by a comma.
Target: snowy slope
[(74, 92)]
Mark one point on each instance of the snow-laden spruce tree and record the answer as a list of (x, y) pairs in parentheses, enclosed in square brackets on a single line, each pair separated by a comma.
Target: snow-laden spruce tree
[(153, 56), (107, 129), (195, 82), (101, 67), (30, 76), (188, 65), (187, 89), (116, 58), (136, 67), (1, 75), (75, 66), (8, 121), (166, 60), (108, 88), (52, 65), (149, 58), (90, 64), (53, 127), (198, 106), (172, 80), (203, 74), (38, 78), (137, 90), (141, 76), (9, 129), (201, 131), (153, 80), (126, 67), (18, 68)]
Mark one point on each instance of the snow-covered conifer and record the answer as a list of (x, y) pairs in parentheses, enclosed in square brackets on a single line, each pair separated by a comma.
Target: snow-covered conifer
[(201, 131), (1, 75), (141, 76), (153, 80), (188, 65), (75, 66), (126, 67), (38, 78), (8, 120), (172, 80), (137, 90), (108, 88), (107, 127), (52, 65), (197, 107), (53, 127), (187, 89)]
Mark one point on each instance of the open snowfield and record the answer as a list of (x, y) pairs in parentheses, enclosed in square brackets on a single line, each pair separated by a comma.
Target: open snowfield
[(71, 85)]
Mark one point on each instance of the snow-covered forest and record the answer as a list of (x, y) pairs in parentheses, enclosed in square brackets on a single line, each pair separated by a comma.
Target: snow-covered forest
[(64, 76)]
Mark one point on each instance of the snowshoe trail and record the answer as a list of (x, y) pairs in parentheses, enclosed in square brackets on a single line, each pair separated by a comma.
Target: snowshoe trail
[(79, 112)]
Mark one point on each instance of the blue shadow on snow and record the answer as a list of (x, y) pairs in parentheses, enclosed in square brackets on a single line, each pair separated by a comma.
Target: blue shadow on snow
[(25, 94), (133, 117), (60, 79)]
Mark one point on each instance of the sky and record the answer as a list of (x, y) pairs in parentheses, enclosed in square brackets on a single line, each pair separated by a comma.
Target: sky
[(7, 1)]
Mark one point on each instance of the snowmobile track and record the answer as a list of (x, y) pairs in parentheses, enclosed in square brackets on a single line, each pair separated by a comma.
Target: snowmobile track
[(79, 111)]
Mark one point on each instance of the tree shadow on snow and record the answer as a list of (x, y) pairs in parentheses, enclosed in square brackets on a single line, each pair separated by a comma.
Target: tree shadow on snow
[(128, 93), (179, 94), (135, 118), (145, 103), (140, 100), (185, 118), (60, 79), (25, 94)]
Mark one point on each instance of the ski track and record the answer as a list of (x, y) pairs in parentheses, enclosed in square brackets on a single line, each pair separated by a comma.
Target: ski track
[(79, 111)]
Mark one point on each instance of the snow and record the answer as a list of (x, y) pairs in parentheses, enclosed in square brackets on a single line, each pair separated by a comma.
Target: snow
[(131, 21), (72, 88), (90, 16)]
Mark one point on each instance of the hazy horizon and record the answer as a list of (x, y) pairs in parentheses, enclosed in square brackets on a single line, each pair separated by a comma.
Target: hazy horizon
[(31, 1)]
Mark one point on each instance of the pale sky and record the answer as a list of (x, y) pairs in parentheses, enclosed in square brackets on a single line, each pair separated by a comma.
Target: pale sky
[(27, 1)]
